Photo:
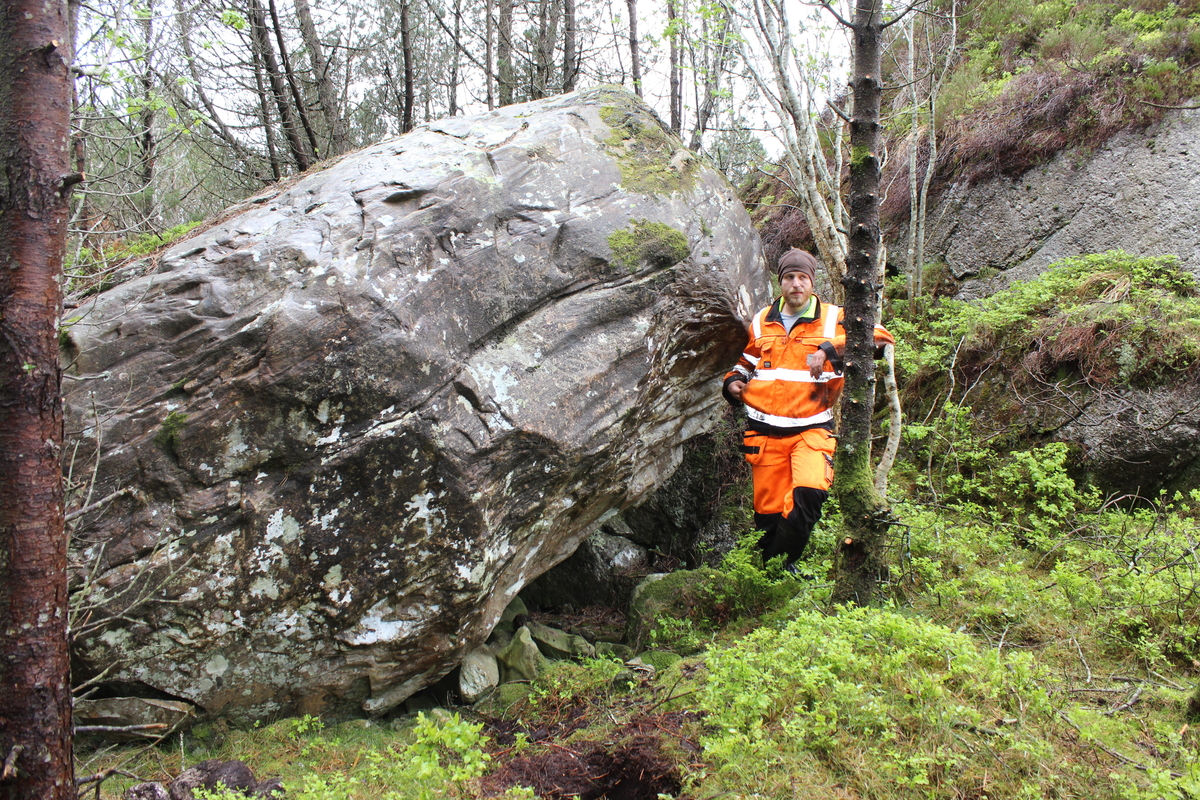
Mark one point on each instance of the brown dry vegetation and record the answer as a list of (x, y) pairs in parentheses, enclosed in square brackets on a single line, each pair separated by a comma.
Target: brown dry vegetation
[(1032, 78)]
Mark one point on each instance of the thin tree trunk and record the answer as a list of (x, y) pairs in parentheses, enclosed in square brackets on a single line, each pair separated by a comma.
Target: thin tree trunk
[(913, 266), (212, 119), (859, 557), (454, 63), (292, 84), (931, 162), (36, 761), (895, 422), (262, 42), (636, 65), (544, 59), (323, 73), (505, 74), (676, 99), (406, 48), (147, 143), (489, 35), (570, 59), (715, 68), (264, 108)]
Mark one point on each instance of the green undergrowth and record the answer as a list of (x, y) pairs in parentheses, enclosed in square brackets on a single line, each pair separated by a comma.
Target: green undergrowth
[(1110, 318)]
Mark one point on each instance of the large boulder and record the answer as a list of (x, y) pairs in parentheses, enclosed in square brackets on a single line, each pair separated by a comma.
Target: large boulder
[(335, 434)]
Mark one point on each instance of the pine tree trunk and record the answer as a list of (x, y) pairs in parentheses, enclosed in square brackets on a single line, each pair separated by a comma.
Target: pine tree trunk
[(35, 694), (505, 74), (406, 47), (859, 556), (570, 60), (261, 40), (636, 65), (323, 75)]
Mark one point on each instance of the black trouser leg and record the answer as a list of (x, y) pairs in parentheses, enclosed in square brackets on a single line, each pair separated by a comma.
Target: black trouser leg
[(769, 525), (793, 532)]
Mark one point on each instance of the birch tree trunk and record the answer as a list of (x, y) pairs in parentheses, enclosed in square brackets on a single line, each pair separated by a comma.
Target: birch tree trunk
[(406, 48), (35, 698), (815, 186)]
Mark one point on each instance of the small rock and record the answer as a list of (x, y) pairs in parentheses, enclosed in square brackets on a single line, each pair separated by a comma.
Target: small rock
[(211, 774), (521, 659), (479, 674), (514, 609), (558, 644), (614, 650), (661, 660), (146, 791)]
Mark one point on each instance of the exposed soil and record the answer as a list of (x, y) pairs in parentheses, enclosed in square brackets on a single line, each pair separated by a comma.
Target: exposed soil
[(642, 761)]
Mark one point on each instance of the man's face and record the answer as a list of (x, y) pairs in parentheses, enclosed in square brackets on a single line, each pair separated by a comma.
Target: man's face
[(797, 289)]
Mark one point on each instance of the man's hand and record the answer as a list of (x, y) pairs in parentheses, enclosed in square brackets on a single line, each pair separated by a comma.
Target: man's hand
[(816, 363), (736, 388)]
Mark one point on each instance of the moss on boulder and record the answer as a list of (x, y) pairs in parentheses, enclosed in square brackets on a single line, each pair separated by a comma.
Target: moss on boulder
[(648, 245), (651, 159)]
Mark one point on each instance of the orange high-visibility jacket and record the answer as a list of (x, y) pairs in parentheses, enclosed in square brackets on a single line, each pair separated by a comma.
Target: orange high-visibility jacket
[(781, 394)]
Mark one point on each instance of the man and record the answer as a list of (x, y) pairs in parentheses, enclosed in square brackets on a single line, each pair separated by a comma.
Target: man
[(789, 377)]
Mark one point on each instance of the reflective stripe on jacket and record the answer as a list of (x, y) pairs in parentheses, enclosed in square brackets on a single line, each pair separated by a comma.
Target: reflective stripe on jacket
[(781, 395)]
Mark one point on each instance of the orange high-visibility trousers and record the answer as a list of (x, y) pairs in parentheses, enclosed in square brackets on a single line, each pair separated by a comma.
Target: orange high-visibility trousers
[(782, 463)]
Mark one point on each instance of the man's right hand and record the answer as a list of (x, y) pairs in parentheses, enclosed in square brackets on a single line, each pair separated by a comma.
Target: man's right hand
[(736, 388)]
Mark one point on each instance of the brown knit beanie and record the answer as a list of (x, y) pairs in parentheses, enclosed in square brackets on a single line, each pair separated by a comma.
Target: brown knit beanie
[(797, 260)]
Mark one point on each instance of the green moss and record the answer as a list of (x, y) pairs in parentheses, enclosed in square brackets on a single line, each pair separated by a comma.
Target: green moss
[(648, 245), (652, 161), (859, 156), (168, 432)]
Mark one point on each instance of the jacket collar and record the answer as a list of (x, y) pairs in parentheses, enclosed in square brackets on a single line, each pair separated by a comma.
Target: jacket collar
[(776, 312)]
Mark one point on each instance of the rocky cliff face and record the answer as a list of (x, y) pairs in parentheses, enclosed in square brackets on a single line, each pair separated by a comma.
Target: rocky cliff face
[(1140, 192), (343, 428)]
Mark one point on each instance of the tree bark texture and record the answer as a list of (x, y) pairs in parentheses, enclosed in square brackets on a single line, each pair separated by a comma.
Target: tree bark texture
[(323, 75), (570, 59), (505, 74), (859, 555), (406, 47), (636, 66), (261, 39), (35, 696)]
